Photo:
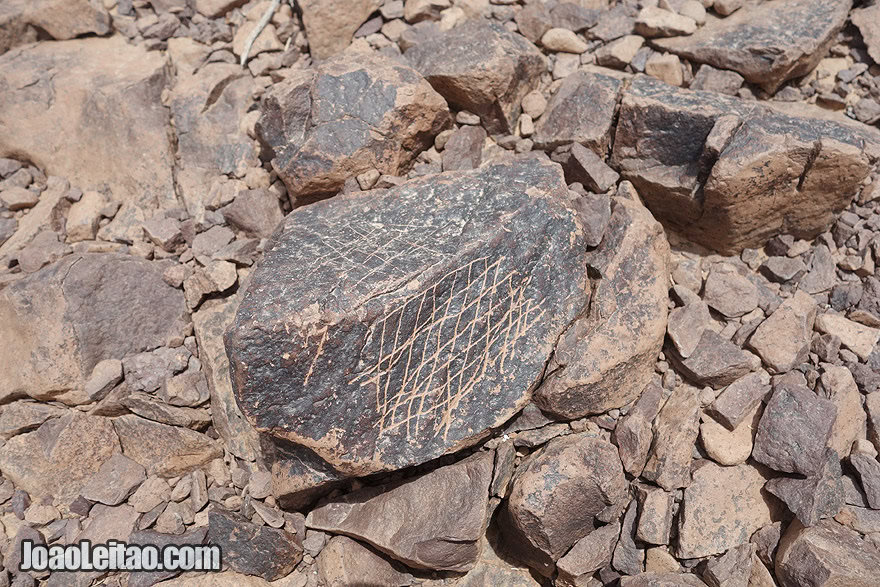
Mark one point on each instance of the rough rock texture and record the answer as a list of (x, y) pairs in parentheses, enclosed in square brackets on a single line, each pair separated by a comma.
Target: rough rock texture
[(867, 20), (558, 496), (349, 115), (330, 24), (819, 496), (721, 509), (783, 339), (247, 548), (675, 431), (581, 111), (113, 109), (634, 432), (824, 555), (396, 352), (345, 562), (731, 174), (164, 450), (431, 522), (68, 317), (605, 358), (482, 68), (766, 44), (59, 19)]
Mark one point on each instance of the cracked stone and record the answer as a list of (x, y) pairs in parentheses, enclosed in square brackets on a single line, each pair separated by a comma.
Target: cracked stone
[(783, 339), (675, 432)]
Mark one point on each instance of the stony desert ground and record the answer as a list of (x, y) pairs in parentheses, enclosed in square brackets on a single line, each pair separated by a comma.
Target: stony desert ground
[(443, 292)]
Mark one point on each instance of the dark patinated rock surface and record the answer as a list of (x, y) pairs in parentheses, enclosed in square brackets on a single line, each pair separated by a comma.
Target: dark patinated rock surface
[(349, 115), (388, 328), (482, 68), (768, 44), (731, 174), (247, 548)]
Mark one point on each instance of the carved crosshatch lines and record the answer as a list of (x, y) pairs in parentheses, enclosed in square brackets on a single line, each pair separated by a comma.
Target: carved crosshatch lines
[(428, 353)]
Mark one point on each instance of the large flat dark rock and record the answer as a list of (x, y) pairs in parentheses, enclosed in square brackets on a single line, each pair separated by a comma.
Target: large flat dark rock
[(388, 328)]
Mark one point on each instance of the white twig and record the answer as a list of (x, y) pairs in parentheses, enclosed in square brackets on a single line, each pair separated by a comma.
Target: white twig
[(264, 20)]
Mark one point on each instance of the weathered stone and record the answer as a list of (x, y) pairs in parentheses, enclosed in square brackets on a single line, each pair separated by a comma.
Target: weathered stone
[(662, 580), (588, 169), (783, 269), (606, 358), (715, 361), (675, 433), (721, 509), (739, 399), (533, 21), (824, 555), (57, 458), (193, 537), (558, 39), (581, 111), (464, 149), (408, 413), (839, 386), (162, 449), (122, 138), (731, 569), (250, 549), (431, 522), (144, 405), (868, 469), (665, 67), (557, 496), (730, 173), (45, 248), (16, 198), (495, 567), (716, 80), (766, 45), (657, 22), (215, 277), (783, 339), (686, 325), (117, 478), (728, 292), (72, 315), (619, 53), (634, 432), (595, 213), (819, 496), (729, 447), (858, 338), (59, 19), (331, 25), (326, 124), (152, 492), (867, 19), (482, 68), (588, 555), (24, 416), (794, 430), (655, 514), (345, 562)]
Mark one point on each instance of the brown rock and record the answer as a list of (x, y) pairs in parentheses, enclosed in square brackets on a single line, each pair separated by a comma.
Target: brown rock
[(655, 514), (731, 569), (557, 496), (729, 447), (59, 19), (819, 496), (721, 509), (629, 557), (728, 292), (117, 478), (581, 111), (824, 555), (686, 325), (739, 399), (247, 548), (716, 361), (750, 43), (783, 339), (464, 149), (858, 338), (867, 20), (588, 169), (794, 430), (662, 580), (868, 469), (57, 458), (431, 522), (349, 115), (481, 68), (716, 80), (164, 450), (24, 416), (331, 25), (656, 22), (588, 555), (606, 358), (839, 386), (345, 562), (634, 432), (675, 433)]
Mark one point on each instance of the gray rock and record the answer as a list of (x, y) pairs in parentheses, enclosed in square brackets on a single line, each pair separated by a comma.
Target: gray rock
[(162, 449), (255, 212), (794, 430), (595, 213), (819, 496), (869, 474), (728, 292), (581, 111), (715, 361), (866, 20), (655, 514), (434, 521), (588, 555), (23, 416), (634, 432), (739, 399), (767, 46), (347, 116), (413, 300), (629, 557), (588, 169), (464, 149), (675, 433), (250, 549), (345, 562), (717, 80), (482, 68), (117, 478), (686, 325), (331, 24)]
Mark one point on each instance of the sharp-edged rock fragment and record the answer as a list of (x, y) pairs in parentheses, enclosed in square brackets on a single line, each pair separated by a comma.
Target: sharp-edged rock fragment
[(348, 115), (482, 68), (816, 497), (867, 19), (330, 24), (431, 522), (739, 399), (559, 495), (686, 325), (858, 338), (634, 432), (783, 339), (766, 44), (22, 21), (839, 386), (591, 553), (247, 548), (345, 562), (731, 173), (675, 432), (715, 361), (419, 328)]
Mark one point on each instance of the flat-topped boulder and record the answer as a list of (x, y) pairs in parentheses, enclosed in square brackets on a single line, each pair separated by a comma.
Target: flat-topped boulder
[(387, 328), (730, 173), (769, 43), (349, 115)]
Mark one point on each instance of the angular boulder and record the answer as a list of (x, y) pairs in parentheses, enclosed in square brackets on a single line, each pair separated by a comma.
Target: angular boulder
[(431, 522), (63, 320), (769, 43), (426, 320), (559, 495), (730, 173), (20, 20), (98, 122), (606, 358), (481, 67), (348, 115), (867, 20), (330, 24)]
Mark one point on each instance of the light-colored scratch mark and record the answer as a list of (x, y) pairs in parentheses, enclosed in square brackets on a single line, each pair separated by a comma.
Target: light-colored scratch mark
[(318, 353)]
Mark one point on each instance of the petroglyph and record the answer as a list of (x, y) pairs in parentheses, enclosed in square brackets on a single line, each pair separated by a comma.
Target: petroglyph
[(432, 349)]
